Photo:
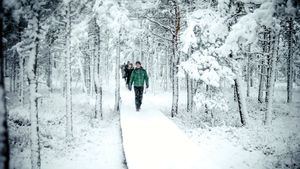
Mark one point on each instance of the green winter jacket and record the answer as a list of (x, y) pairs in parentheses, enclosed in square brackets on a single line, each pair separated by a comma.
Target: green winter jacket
[(139, 77)]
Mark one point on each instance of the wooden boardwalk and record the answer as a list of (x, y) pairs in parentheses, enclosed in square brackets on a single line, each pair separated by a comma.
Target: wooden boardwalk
[(152, 141)]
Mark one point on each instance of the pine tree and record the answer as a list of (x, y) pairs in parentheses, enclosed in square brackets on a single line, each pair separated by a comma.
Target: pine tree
[(271, 81), (97, 59), (34, 33)]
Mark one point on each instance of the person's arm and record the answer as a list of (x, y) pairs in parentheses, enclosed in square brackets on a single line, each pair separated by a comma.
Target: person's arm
[(146, 79)]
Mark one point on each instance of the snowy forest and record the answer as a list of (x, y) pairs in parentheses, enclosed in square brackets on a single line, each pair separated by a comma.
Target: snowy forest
[(221, 87)]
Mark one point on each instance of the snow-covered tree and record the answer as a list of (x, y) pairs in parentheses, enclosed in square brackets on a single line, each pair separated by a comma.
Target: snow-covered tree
[(206, 31), (4, 145), (168, 29), (33, 32), (69, 125), (290, 12), (97, 65)]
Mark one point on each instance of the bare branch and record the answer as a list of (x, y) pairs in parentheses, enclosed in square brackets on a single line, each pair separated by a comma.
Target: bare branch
[(162, 25), (160, 36)]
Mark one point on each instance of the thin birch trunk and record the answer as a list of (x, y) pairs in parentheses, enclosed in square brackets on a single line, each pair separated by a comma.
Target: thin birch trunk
[(117, 75), (92, 73), (98, 78), (189, 84), (270, 86), (175, 61), (69, 125), (290, 62), (261, 82), (21, 88), (248, 73), (50, 73)]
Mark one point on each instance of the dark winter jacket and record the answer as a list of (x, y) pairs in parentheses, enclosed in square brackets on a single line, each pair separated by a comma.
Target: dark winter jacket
[(139, 77), (128, 75), (123, 70)]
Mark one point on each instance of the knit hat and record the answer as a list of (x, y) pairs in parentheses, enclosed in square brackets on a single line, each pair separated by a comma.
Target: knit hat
[(138, 62)]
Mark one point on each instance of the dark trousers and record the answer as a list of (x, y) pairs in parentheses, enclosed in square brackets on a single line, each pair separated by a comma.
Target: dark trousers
[(138, 90)]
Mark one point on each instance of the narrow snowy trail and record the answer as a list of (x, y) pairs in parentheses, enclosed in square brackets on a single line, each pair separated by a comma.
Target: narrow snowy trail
[(152, 141)]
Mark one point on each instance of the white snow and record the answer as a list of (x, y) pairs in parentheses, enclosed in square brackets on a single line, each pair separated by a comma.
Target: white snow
[(99, 149), (152, 141), (290, 9), (96, 144), (197, 139)]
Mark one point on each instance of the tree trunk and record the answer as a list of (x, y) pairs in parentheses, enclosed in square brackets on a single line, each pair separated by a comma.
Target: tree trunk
[(234, 93), (33, 103), (175, 86), (251, 76), (189, 87), (141, 44), (167, 69), (107, 65), (117, 75), (69, 125), (152, 74), (290, 62), (175, 62), (4, 148), (205, 106), (21, 89), (189, 93), (35, 137), (268, 50), (263, 73), (98, 74), (248, 75), (12, 78), (50, 72), (92, 74), (261, 82), (270, 85), (82, 76), (241, 99)]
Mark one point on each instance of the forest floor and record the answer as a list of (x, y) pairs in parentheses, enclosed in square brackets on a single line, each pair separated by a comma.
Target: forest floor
[(96, 144), (256, 146)]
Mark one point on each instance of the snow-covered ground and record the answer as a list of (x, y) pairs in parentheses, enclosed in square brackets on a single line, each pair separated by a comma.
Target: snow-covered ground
[(96, 144), (257, 146), (151, 140)]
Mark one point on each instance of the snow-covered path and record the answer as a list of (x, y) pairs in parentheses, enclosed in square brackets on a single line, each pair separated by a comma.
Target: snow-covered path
[(152, 141)]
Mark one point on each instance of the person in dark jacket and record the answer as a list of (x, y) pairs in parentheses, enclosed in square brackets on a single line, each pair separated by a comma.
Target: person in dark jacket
[(128, 73), (124, 70), (138, 79)]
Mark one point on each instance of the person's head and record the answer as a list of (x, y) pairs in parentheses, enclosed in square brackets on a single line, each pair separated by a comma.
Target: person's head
[(138, 64), (130, 66), (128, 62)]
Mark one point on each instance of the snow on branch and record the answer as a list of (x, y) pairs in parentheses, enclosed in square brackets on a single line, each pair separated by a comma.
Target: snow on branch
[(161, 37), (161, 25), (244, 32)]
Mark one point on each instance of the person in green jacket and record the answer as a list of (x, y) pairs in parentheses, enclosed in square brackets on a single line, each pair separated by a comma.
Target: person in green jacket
[(138, 79)]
